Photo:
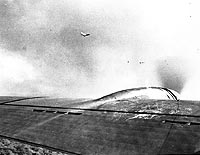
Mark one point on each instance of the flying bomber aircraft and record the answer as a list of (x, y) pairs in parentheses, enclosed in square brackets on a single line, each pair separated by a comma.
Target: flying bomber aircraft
[(85, 34), (145, 120)]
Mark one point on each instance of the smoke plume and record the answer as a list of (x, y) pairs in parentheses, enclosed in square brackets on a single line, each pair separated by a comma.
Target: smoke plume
[(43, 53), (173, 73)]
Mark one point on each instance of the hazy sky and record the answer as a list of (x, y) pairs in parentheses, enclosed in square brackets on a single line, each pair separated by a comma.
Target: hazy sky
[(132, 44)]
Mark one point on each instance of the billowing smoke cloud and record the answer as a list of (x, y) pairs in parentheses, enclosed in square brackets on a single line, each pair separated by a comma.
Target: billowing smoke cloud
[(17, 75), (173, 73), (129, 41)]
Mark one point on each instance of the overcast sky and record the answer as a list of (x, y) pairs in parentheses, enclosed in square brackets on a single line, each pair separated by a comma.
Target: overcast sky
[(132, 44)]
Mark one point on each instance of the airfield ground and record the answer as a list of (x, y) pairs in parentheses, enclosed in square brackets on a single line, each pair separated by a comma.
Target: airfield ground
[(9, 147)]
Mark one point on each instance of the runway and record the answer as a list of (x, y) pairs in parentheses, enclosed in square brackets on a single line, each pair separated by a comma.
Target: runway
[(117, 127)]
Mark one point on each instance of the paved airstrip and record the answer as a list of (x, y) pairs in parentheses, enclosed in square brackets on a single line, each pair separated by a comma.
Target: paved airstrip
[(113, 128)]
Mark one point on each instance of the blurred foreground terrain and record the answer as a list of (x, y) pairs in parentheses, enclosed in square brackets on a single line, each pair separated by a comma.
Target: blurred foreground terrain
[(9, 147)]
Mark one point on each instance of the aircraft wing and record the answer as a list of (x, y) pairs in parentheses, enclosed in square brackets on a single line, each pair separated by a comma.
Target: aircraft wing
[(115, 127)]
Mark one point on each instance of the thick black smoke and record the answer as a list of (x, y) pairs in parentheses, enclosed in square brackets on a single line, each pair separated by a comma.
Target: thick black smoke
[(173, 73)]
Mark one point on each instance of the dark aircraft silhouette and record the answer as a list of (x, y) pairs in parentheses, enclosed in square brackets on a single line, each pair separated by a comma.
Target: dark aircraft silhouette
[(85, 34), (133, 121)]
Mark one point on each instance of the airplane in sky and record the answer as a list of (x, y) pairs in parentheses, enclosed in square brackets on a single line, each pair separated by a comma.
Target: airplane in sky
[(144, 120), (85, 34)]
